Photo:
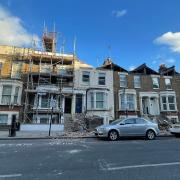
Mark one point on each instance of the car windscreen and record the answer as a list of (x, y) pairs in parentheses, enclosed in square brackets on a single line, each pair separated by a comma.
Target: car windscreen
[(116, 121)]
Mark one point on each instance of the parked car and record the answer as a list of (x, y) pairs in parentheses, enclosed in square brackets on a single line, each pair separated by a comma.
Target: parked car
[(128, 127), (175, 129)]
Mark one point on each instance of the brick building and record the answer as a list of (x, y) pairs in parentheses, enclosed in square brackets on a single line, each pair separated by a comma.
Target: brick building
[(145, 92)]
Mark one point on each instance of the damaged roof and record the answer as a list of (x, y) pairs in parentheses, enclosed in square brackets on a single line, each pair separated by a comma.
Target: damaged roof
[(108, 64), (163, 70), (144, 69)]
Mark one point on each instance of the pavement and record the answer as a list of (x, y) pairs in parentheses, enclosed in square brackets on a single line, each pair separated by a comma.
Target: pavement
[(90, 159), (4, 135)]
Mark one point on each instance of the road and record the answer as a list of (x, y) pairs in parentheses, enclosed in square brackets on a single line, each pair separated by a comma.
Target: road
[(91, 159)]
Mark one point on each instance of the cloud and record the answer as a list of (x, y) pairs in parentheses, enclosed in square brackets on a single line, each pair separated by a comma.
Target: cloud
[(132, 68), (170, 61), (154, 62), (119, 13), (171, 39), (12, 31), (162, 59)]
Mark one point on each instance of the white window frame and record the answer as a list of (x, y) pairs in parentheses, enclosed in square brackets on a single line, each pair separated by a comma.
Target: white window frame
[(86, 73), (123, 80), (168, 84), (5, 122), (126, 93), (102, 78), (10, 95), (166, 95), (16, 95), (155, 83), (137, 83), (92, 100)]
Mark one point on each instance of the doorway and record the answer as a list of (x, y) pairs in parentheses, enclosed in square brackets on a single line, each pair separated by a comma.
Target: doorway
[(67, 106), (78, 103)]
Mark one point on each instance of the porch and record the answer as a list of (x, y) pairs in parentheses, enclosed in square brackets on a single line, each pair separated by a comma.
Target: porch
[(149, 103)]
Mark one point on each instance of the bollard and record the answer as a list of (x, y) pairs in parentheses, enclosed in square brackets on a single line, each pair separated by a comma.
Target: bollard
[(12, 131)]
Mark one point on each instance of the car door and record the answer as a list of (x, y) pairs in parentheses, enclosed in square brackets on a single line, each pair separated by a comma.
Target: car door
[(127, 127), (140, 126)]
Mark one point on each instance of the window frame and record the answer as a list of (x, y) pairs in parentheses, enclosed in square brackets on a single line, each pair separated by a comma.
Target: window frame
[(167, 103), (5, 122), (16, 94), (168, 87), (155, 83), (123, 80), (127, 103), (93, 100), (6, 95), (102, 78), (86, 80), (137, 82)]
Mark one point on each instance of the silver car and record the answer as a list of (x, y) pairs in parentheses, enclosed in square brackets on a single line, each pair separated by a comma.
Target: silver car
[(175, 129), (128, 127)]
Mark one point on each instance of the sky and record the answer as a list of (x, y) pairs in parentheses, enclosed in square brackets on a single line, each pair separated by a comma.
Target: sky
[(130, 32)]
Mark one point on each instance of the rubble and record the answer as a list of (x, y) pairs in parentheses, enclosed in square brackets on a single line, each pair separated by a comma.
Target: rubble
[(82, 122)]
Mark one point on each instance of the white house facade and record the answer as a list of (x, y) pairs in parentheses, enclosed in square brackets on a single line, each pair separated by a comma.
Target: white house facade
[(93, 91), (10, 99)]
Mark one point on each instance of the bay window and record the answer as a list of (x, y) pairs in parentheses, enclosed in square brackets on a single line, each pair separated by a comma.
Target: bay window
[(168, 103), (6, 94), (97, 100), (16, 95), (45, 101), (127, 102)]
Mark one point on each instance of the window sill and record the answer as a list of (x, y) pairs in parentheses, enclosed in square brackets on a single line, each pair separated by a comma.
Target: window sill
[(97, 109), (101, 84), (127, 110), (168, 110)]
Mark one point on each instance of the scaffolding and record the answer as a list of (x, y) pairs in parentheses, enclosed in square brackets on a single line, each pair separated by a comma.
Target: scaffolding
[(52, 72), (42, 72)]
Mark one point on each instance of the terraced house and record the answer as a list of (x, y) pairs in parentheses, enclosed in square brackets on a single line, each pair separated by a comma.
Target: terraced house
[(40, 86), (43, 86), (145, 92)]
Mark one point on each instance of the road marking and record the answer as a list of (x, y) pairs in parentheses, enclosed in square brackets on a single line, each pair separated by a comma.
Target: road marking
[(139, 166), (10, 175)]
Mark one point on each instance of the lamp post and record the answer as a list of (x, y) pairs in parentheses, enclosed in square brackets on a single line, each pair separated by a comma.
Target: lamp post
[(52, 105)]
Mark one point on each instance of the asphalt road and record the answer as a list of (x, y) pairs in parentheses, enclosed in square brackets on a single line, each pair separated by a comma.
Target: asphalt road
[(91, 159)]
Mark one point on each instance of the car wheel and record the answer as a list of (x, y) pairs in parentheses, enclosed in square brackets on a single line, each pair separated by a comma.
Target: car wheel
[(177, 135), (150, 135), (113, 135)]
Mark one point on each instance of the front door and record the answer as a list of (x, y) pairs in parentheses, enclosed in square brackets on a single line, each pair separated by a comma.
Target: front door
[(145, 105), (78, 103), (67, 105), (154, 106)]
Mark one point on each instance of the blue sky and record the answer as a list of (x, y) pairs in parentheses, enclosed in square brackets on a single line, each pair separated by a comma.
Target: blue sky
[(137, 31)]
